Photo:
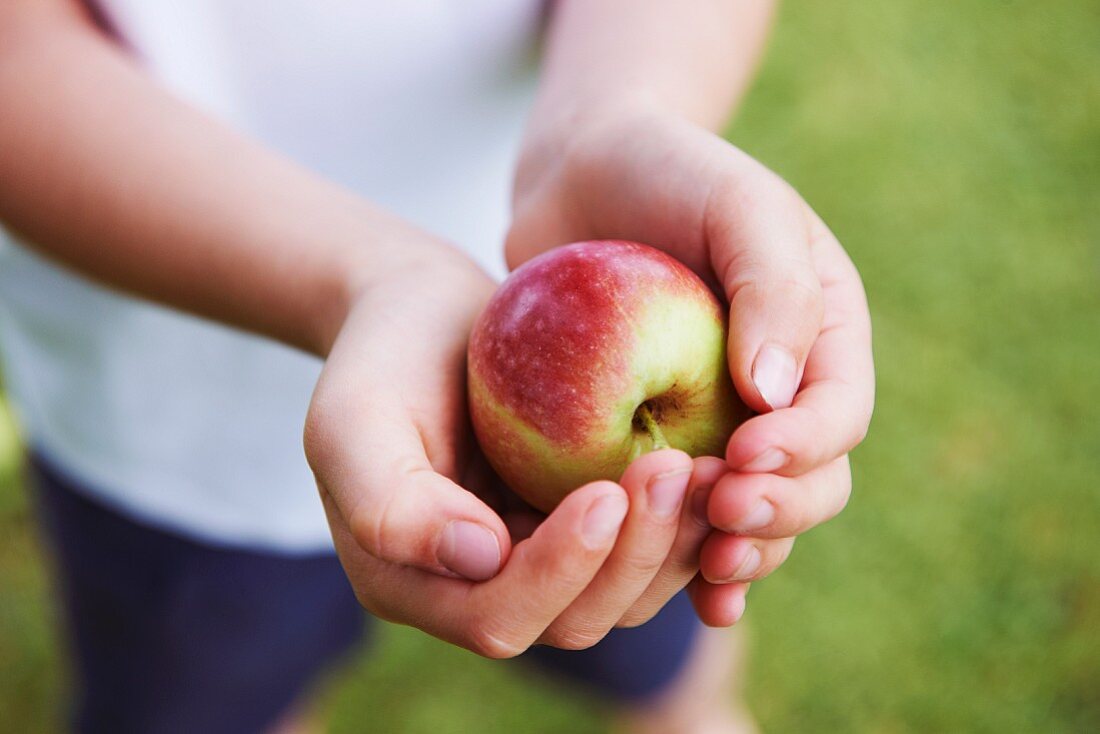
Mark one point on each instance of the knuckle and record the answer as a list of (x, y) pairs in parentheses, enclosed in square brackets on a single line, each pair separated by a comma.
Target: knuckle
[(785, 552), (844, 495), (859, 433), (372, 599), (682, 565), (643, 568), (819, 442), (489, 641), (567, 637), (841, 489), (754, 189), (636, 617), (802, 294), (384, 527), (856, 419), (316, 437), (367, 527), (375, 608), (775, 555), (365, 600), (794, 518), (788, 282)]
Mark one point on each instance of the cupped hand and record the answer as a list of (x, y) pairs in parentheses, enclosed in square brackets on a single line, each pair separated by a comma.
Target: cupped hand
[(427, 536), (800, 337)]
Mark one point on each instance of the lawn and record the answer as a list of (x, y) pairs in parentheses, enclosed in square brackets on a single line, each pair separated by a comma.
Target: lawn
[(955, 149)]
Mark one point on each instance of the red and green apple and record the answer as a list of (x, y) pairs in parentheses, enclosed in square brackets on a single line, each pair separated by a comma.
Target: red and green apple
[(589, 356)]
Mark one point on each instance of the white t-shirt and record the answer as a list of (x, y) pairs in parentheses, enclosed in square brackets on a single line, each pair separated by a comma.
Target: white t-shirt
[(196, 427)]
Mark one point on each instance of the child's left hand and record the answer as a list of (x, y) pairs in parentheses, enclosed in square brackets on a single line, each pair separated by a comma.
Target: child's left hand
[(800, 335), (426, 534)]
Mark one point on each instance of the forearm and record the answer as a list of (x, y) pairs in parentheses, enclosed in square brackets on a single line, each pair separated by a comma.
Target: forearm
[(103, 170), (692, 59), (620, 143)]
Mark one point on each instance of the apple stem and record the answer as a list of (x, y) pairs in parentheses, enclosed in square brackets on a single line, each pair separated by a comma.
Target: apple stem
[(654, 430)]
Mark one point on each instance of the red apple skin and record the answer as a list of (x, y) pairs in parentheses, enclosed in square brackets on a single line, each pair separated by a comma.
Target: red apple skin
[(571, 345)]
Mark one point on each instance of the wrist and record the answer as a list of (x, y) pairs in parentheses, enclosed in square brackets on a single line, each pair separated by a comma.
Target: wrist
[(563, 132), (380, 254)]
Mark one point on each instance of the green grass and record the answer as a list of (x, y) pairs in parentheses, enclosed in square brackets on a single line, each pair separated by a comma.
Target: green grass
[(955, 149)]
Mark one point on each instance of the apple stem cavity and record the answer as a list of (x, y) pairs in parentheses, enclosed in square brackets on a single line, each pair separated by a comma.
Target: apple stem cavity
[(651, 427)]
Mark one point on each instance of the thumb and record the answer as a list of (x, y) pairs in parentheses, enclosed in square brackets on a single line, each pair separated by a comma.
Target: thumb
[(398, 509), (760, 244)]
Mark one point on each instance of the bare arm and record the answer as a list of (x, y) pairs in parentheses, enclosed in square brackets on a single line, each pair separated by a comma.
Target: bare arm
[(693, 59), (110, 174)]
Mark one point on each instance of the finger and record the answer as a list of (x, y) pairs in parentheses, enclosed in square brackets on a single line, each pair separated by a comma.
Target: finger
[(501, 617), (726, 559), (372, 579), (831, 412), (546, 572), (656, 484), (718, 605), (370, 458), (758, 231), (682, 562), (772, 506), (519, 517), (400, 510)]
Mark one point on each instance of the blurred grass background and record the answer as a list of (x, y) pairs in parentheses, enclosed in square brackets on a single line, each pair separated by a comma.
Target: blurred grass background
[(955, 149)]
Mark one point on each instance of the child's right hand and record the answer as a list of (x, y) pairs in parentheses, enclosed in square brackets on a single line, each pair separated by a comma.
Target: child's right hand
[(429, 538)]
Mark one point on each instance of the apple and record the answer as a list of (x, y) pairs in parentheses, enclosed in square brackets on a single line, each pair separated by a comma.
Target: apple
[(589, 356)]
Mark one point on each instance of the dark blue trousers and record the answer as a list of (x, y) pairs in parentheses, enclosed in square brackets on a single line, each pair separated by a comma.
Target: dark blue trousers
[(167, 634)]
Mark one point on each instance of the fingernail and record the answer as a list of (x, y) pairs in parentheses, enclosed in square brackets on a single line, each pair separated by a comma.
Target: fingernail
[(769, 460), (761, 516), (470, 550), (748, 566), (775, 373), (603, 520), (666, 492), (699, 502)]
